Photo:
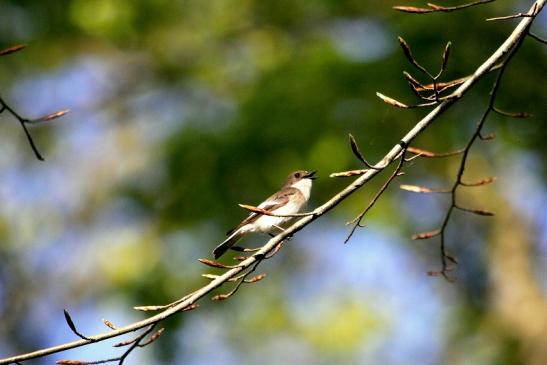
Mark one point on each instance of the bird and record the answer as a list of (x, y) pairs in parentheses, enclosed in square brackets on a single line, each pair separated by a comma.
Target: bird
[(291, 199)]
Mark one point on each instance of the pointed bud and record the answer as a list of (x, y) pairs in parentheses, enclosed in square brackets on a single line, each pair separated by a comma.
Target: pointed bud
[(214, 264), (13, 49), (485, 181), (391, 101), (422, 189), (256, 278), (152, 338), (109, 324), (412, 9), (48, 117), (220, 297), (426, 235), (190, 307), (446, 54)]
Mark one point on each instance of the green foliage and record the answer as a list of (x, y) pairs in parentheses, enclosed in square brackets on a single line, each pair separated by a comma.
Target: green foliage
[(243, 92)]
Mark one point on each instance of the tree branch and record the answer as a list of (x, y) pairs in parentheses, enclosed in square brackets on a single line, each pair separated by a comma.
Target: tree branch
[(446, 258), (508, 47)]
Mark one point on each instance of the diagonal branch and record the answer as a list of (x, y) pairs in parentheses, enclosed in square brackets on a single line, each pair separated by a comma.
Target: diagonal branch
[(508, 46)]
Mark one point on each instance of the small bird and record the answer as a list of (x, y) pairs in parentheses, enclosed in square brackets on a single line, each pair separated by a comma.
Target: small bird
[(291, 199)]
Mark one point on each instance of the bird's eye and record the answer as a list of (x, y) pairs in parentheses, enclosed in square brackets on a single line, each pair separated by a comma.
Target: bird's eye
[(297, 175)]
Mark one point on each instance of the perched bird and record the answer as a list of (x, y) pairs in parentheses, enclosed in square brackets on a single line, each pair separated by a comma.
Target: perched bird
[(291, 199)]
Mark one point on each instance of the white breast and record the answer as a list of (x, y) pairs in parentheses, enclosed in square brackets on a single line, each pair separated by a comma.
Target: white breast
[(304, 186)]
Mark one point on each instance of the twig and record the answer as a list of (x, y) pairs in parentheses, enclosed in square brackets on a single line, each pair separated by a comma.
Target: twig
[(349, 173), (519, 115), (22, 121), (422, 189), (13, 49), (134, 343), (537, 38), (428, 154), (445, 257), (72, 326), (357, 152), (508, 46), (437, 8), (357, 220), (530, 14), (238, 284), (519, 15), (4, 107)]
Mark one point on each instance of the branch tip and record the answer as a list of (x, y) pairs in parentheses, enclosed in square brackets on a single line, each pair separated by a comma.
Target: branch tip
[(446, 54), (426, 235), (109, 324), (422, 189), (357, 153), (485, 181), (215, 264), (72, 326), (10, 50), (391, 101)]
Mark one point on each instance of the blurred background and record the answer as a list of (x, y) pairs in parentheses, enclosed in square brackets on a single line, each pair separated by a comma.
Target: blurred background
[(182, 109)]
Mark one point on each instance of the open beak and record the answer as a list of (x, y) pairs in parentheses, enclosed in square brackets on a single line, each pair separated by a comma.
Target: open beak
[(309, 175)]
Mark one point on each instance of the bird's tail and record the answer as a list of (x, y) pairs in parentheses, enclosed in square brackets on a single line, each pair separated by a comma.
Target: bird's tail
[(228, 242)]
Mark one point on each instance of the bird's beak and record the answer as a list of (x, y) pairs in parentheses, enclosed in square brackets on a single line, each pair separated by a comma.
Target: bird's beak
[(309, 175)]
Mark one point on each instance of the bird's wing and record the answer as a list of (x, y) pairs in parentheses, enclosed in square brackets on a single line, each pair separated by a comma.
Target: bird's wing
[(274, 202)]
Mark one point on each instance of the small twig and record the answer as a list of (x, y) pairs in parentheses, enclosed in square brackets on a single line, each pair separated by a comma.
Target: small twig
[(485, 181), (437, 8), (422, 189), (215, 264), (125, 343), (275, 250), (349, 173), (147, 308), (408, 53), (537, 38), (357, 152), (445, 257), (13, 49), (79, 362), (483, 212), (398, 104), (72, 326), (409, 159), (532, 13), (519, 15), (4, 107), (426, 235), (518, 115), (23, 122), (152, 338), (133, 344), (238, 284), (136, 343), (357, 220), (428, 154)]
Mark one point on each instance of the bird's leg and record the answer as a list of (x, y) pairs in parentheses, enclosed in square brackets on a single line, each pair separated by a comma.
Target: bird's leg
[(282, 230)]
